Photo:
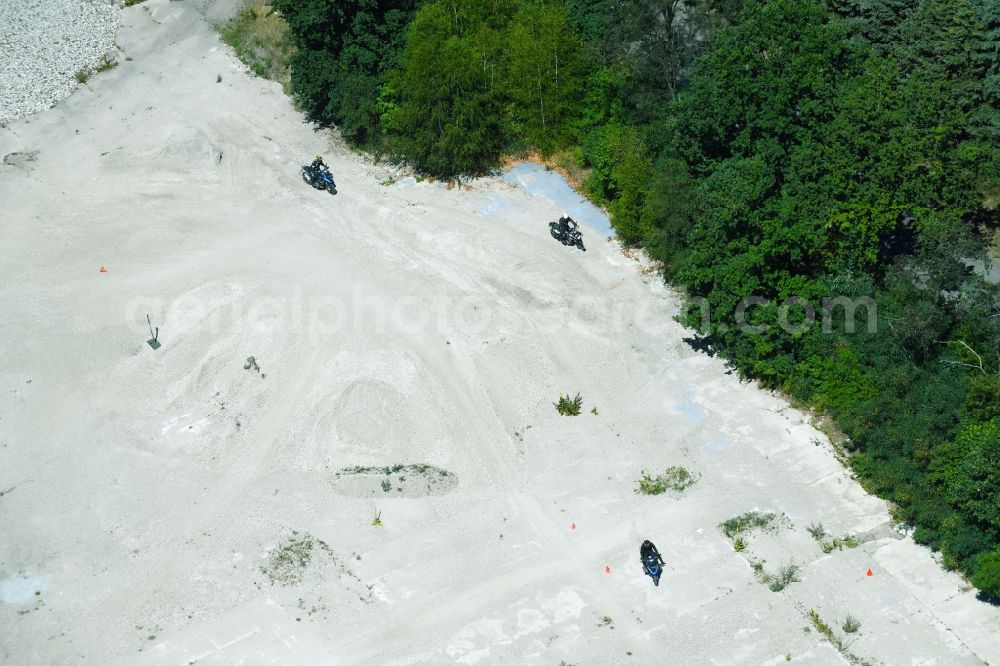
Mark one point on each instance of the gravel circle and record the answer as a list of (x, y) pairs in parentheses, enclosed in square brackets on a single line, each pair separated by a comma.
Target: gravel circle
[(45, 44)]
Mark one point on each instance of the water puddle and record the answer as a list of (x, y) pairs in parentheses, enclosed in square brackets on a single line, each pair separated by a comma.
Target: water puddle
[(21, 589), (536, 180)]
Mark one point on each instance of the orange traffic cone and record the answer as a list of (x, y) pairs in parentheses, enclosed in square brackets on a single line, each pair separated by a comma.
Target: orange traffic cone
[(103, 269), (572, 526), (869, 572), (607, 569)]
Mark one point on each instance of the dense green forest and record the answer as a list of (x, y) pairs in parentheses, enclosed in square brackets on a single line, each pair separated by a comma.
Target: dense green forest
[(774, 149)]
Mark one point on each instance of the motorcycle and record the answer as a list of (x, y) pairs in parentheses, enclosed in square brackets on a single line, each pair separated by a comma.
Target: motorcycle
[(320, 178), (567, 235), (652, 563)]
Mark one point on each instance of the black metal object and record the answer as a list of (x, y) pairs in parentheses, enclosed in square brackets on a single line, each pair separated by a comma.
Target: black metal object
[(153, 342)]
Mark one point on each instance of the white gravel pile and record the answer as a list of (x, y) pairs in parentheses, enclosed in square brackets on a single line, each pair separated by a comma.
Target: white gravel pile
[(44, 43)]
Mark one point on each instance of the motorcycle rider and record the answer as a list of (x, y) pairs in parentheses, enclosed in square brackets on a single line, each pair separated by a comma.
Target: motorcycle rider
[(318, 164), (567, 225), (649, 555)]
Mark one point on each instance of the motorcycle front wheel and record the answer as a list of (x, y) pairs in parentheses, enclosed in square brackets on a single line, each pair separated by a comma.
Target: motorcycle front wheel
[(332, 189)]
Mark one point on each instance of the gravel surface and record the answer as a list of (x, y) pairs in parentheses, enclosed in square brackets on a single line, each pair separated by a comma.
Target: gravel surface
[(45, 43)]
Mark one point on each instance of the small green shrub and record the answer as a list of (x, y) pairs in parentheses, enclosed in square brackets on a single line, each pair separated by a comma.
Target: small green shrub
[(287, 564), (817, 531), (107, 62), (674, 478), (747, 522), (679, 478), (851, 624), (739, 545), (821, 627), (786, 575), (649, 485), (569, 406), (840, 543), (827, 631)]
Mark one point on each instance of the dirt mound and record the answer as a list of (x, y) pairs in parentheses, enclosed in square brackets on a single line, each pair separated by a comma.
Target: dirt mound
[(408, 481)]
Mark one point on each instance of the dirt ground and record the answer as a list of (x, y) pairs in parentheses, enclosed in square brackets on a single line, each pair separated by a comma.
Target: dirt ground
[(180, 505)]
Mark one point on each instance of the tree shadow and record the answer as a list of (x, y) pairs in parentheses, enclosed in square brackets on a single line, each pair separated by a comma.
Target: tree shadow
[(701, 343), (988, 598)]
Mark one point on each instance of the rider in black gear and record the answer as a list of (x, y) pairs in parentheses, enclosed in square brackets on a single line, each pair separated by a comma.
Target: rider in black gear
[(318, 164), (567, 224), (649, 555)]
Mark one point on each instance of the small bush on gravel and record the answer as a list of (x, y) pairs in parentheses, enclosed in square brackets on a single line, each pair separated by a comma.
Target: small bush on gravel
[(827, 632), (851, 624), (107, 62), (786, 575), (675, 478), (840, 543), (287, 564), (569, 406), (821, 626), (816, 530), (746, 522), (83, 75)]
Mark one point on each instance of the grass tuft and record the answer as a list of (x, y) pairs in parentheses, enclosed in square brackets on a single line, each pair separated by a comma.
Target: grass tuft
[(107, 63), (674, 478), (828, 633), (748, 522), (569, 406), (262, 41), (83, 75), (786, 575), (839, 543), (287, 564), (821, 626)]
